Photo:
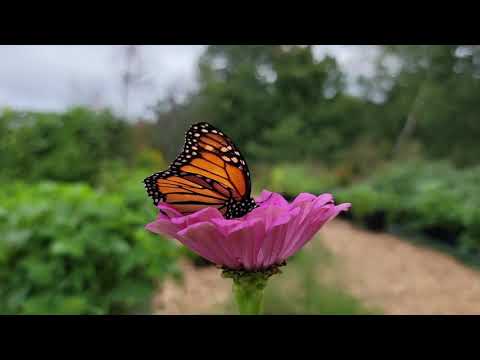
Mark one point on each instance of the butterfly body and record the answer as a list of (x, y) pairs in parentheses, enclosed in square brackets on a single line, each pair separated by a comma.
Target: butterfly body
[(210, 171)]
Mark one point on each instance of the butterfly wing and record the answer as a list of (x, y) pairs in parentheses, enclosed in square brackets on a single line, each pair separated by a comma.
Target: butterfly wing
[(214, 155), (210, 171), (190, 193)]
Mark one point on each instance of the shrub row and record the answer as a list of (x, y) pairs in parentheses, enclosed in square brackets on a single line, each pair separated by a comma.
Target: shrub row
[(291, 179), (71, 146), (432, 199), (66, 248)]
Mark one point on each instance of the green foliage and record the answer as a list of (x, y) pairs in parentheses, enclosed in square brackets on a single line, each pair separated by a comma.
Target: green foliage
[(283, 104), (69, 249), (436, 84), (300, 130), (366, 201), (470, 239), (293, 179), (280, 102), (433, 199), (150, 159), (70, 146)]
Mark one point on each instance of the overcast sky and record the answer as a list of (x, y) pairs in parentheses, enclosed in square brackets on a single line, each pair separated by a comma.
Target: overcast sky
[(54, 77)]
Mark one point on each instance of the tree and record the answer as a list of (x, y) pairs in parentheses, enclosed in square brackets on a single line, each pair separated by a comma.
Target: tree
[(278, 100), (133, 74), (433, 100)]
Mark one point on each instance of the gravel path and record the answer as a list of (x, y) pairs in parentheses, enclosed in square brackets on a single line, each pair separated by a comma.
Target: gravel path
[(401, 278)]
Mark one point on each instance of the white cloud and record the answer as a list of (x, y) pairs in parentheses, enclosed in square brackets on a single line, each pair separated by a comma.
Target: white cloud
[(53, 77)]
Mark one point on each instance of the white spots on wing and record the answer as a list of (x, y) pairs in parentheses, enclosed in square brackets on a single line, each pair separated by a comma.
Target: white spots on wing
[(237, 153), (229, 147), (194, 153), (223, 149), (226, 158), (194, 148), (209, 148), (197, 135), (204, 130), (189, 156), (235, 160), (242, 162), (214, 131)]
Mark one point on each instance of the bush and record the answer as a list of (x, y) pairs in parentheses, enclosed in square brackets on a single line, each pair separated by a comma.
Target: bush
[(70, 146), (68, 249), (369, 207), (433, 199), (293, 179), (470, 239), (151, 159)]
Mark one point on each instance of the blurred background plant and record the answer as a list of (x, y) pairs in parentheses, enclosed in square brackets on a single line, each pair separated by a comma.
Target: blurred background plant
[(399, 141)]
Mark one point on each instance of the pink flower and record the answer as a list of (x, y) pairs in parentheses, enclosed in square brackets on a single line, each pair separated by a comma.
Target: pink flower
[(266, 236)]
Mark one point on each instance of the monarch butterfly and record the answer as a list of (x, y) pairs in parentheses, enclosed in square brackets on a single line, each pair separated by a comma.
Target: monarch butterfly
[(210, 171)]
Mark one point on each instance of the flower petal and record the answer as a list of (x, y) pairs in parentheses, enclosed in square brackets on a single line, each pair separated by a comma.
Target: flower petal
[(161, 226), (275, 239), (322, 215), (168, 210), (268, 198), (207, 241), (205, 215), (243, 242), (270, 214), (265, 236), (303, 197)]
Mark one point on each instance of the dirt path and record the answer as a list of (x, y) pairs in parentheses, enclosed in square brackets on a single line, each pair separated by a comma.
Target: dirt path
[(203, 292), (398, 277), (382, 270)]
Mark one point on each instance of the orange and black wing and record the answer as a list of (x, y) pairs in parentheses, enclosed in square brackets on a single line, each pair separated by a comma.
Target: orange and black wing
[(210, 171), (190, 193)]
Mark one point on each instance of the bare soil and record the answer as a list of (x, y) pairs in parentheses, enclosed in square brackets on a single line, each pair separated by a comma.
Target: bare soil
[(399, 277), (203, 291)]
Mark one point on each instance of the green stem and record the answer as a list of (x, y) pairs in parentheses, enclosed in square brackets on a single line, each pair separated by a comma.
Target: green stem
[(248, 287), (248, 291)]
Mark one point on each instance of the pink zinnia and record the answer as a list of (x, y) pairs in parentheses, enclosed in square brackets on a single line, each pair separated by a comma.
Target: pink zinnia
[(265, 237)]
